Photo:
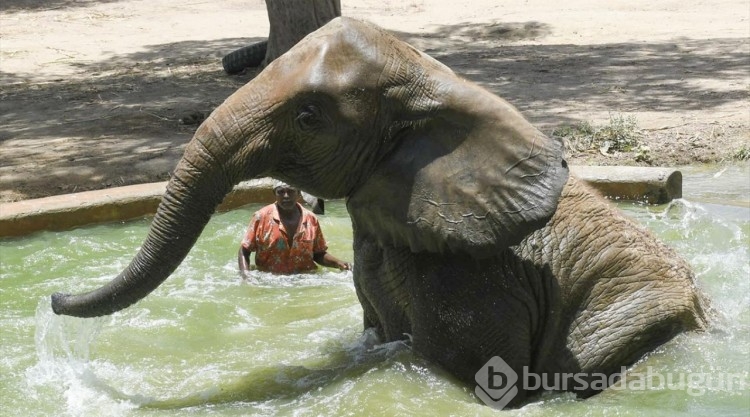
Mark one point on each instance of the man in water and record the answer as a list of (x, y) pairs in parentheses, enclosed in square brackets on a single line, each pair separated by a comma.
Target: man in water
[(286, 238)]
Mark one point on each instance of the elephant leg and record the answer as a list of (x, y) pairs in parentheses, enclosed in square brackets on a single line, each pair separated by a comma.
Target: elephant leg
[(461, 312), (617, 329), (370, 318), (384, 301), (465, 312)]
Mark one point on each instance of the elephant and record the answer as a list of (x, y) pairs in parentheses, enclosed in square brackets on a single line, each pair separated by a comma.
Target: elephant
[(471, 238)]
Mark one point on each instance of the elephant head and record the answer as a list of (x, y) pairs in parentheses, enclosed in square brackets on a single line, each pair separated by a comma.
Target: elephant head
[(352, 112)]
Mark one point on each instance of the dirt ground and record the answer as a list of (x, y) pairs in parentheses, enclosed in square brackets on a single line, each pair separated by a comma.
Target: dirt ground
[(97, 94)]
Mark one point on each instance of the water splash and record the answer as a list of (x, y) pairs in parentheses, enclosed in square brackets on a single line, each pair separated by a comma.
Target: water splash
[(63, 337), (63, 347), (322, 278)]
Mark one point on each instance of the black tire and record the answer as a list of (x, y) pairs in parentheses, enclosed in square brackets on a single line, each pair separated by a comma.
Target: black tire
[(247, 57)]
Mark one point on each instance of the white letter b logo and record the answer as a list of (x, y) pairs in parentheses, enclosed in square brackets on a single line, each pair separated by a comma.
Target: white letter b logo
[(496, 383)]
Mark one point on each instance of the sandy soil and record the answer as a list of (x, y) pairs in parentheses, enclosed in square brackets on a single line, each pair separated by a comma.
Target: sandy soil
[(96, 94)]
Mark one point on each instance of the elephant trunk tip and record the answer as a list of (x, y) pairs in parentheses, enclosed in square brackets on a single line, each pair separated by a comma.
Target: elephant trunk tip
[(65, 304), (58, 302)]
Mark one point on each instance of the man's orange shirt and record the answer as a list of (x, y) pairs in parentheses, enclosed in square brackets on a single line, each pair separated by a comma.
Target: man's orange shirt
[(267, 237)]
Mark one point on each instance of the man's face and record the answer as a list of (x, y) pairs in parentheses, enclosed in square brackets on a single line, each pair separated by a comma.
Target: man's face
[(286, 198)]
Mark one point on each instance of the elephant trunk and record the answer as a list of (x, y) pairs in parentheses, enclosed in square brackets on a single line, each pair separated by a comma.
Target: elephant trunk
[(204, 175)]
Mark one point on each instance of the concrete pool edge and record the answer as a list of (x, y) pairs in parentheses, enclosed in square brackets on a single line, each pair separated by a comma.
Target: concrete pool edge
[(67, 211)]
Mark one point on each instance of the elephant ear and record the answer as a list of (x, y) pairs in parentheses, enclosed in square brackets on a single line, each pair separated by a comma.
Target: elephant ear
[(471, 175)]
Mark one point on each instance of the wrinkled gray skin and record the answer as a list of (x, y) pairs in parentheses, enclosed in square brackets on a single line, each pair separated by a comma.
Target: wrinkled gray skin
[(469, 235)]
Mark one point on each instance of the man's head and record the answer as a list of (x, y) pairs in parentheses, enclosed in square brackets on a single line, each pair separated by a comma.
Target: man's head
[(286, 195)]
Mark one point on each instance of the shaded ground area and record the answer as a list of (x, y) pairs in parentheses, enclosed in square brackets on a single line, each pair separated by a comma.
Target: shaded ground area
[(127, 122), (94, 114)]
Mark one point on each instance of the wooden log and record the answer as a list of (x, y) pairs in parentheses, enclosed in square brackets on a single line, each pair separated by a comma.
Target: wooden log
[(646, 184)]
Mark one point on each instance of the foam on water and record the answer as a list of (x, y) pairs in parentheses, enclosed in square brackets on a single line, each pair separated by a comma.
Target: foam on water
[(325, 278)]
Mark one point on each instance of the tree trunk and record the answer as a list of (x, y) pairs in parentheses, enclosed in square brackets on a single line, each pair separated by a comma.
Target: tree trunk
[(292, 20)]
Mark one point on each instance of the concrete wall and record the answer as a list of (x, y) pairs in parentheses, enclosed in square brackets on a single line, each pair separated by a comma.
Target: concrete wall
[(64, 212)]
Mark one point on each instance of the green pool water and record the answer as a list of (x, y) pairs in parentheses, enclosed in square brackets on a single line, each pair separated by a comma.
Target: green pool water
[(206, 343)]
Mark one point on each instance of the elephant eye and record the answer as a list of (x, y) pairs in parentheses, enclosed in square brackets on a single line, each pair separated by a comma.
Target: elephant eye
[(309, 117)]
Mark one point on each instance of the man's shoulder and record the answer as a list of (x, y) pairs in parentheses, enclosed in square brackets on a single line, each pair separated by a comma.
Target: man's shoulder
[(308, 214), (266, 211)]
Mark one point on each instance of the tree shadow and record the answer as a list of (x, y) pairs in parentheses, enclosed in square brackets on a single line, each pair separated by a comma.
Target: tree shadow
[(471, 32), (39, 5), (125, 120), (681, 75), (144, 98)]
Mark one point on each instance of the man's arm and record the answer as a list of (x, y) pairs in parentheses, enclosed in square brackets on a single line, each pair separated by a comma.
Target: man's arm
[(326, 259), (320, 251), (243, 260)]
